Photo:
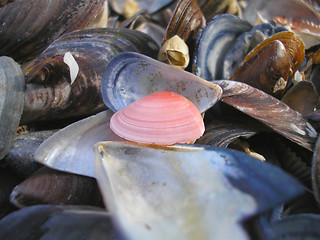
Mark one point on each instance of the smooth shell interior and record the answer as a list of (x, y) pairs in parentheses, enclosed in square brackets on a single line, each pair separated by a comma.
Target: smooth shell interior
[(186, 192), (130, 76)]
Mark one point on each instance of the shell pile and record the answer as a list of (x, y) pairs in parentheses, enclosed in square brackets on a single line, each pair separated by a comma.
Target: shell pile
[(166, 119)]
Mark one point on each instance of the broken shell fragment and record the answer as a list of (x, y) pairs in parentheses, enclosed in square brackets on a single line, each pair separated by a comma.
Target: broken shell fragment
[(162, 118)]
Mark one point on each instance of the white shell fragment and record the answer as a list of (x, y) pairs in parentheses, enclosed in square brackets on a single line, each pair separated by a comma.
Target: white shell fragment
[(72, 64), (186, 192), (71, 148)]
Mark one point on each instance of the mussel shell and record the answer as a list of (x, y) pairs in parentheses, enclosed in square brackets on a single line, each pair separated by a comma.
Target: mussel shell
[(302, 97), (4, 2), (270, 111), (142, 22), (210, 8), (314, 77), (224, 43), (71, 148), (314, 119), (244, 44), (300, 226), (153, 30), (131, 76), (57, 222), (292, 43), (12, 85), (299, 16), (304, 204), (221, 131), (49, 186), (289, 8), (294, 160), (29, 26), (151, 6), (214, 42), (8, 180), (268, 70), (54, 96), (21, 156), (183, 191), (187, 21), (316, 171)]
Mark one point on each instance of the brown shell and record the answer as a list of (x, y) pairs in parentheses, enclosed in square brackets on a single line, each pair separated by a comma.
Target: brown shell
[(270, 111), (27, 27), (186, 24), (48, 186), (211, 8), (293, 44), (187, 19), (268, 70), (50, 94), (302, 97), (4, 2), (316, 171), (270, 64)]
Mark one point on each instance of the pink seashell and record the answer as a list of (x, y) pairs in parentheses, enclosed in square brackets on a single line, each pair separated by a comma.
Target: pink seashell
[(162, 118)]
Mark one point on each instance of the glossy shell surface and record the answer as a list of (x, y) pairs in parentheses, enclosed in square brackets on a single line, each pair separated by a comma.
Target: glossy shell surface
[(214, 42), (27, 27), (70, 189), (186, 192), (131, 76), (162, 118), (57, 222), (50, 93), (71, 148), (270, 111)]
